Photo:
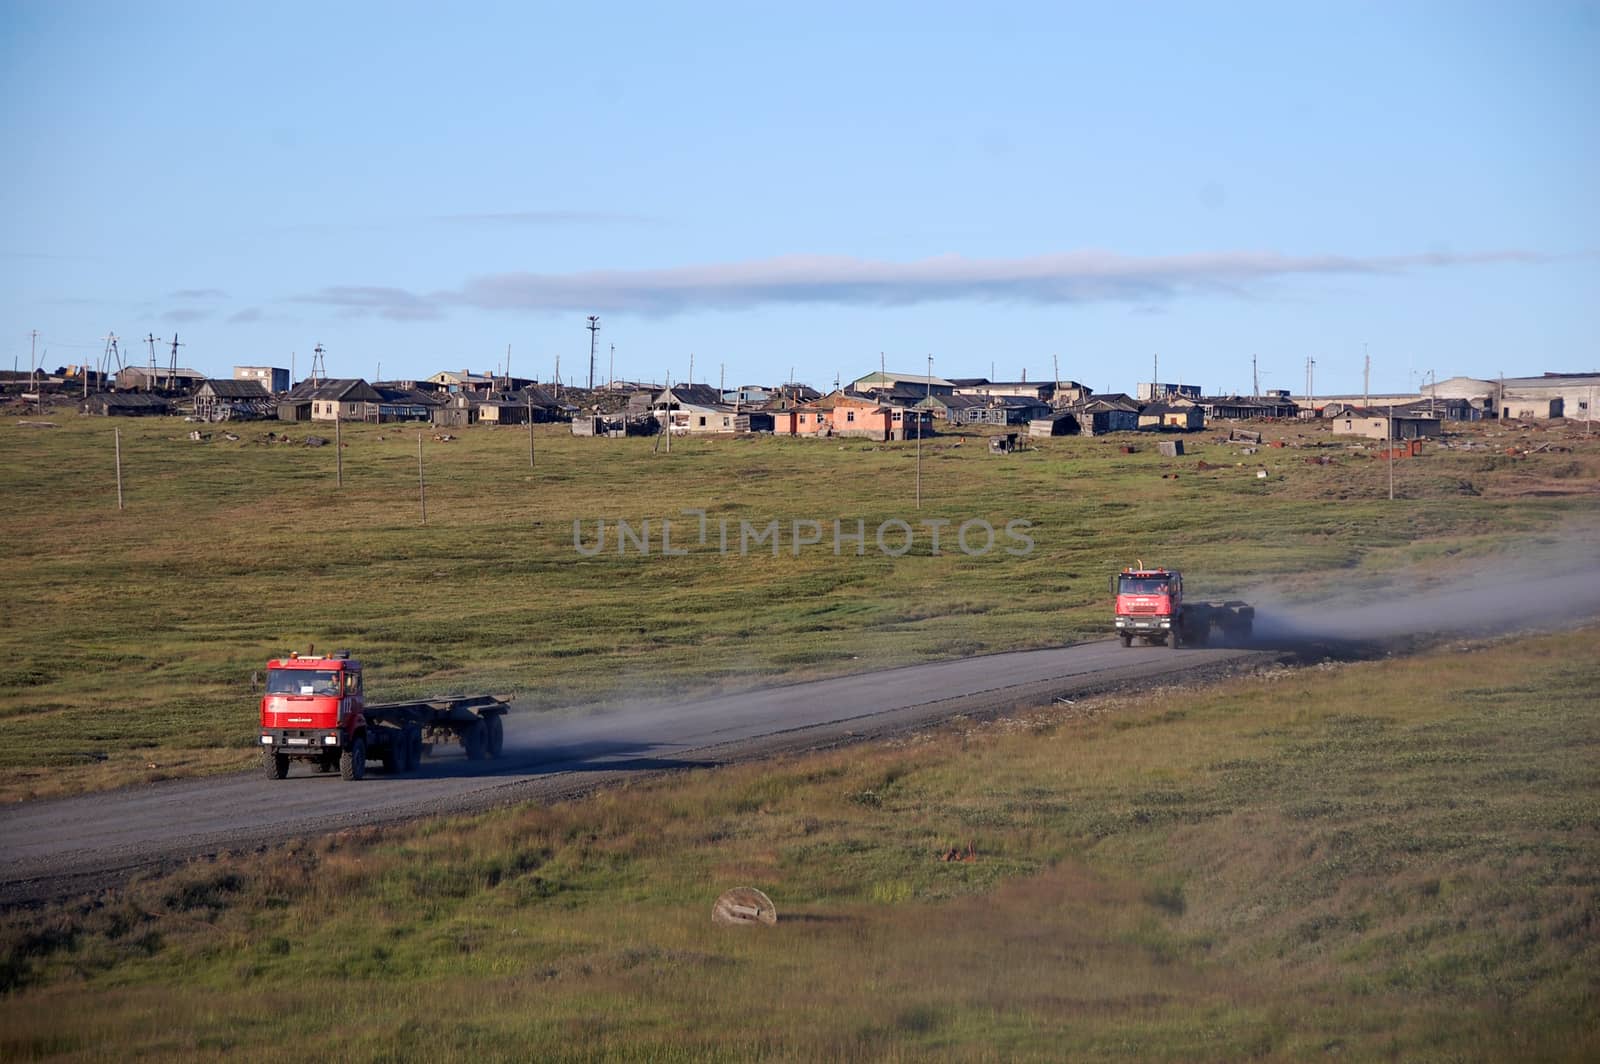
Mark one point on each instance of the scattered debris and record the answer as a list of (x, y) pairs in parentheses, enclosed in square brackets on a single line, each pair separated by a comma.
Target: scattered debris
[(955, 853), (1170, 448), (442, 437), (1003, 444), (316, 441), (199, 437), (38, 424), (231, 437), (743, 906)]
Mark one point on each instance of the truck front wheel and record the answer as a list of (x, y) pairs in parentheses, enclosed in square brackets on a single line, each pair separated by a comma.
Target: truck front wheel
[(1126, 637), (497, 734), (276, 766), (353, 762)]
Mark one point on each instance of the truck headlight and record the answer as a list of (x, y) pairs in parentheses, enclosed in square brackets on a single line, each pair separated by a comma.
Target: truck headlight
[(330, 740), (266, 740)]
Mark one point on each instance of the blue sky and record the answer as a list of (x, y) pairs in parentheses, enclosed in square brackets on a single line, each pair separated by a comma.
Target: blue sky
[(807, 187)]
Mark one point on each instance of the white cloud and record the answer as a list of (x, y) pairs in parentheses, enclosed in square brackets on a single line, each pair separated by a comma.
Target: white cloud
[(1067, 278)]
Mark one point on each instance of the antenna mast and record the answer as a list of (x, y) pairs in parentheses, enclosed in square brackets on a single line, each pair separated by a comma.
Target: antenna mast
[(1255, 378), (594, 328), (172, 366), (150, 373), (319, 366)]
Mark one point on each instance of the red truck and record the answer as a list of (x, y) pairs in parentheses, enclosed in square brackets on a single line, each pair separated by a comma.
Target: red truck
[(1150, 605), (315, 709)]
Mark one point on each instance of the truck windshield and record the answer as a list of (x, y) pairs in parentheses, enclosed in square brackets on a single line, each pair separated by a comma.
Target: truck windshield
[(302, 682), (1143, 585)]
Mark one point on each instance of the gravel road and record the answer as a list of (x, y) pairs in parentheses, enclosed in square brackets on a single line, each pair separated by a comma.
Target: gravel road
[(51, 848)]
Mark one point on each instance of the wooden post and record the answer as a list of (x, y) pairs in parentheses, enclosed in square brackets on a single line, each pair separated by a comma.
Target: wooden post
[(338, 447), (118, 435), (422, 489), (530, 419)]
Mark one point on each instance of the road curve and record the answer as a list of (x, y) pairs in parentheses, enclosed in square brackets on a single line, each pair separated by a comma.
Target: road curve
[(53, 847)]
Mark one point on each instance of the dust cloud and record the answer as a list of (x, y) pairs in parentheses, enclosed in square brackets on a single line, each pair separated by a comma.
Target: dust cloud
[(1553, 589)]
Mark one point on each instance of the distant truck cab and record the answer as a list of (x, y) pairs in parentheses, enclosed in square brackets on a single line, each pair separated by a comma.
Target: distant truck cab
[(315, 709), (1150, 606)]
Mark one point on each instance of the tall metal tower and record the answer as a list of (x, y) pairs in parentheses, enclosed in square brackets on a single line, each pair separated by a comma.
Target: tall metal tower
[(172, 363), (150, 373), (319, 367), (594, 328)]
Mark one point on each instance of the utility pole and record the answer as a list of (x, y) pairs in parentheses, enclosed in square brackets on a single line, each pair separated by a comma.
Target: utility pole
[(1366, 379), (172, 365), (422, 487), (1255, 378), (1311, 387), (690, 381), (118, 436), (150, 371), (1391, 453), (611, 371), (558, 376), (33, 372), (1055, 393), (529, 394), (722, 380), (919, 433), (338, 447), (594, 329), (1155, 374), (508, 367)]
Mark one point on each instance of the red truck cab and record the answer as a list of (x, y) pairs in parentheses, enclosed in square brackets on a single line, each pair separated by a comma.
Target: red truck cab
[(313, 707), (1149, 603)]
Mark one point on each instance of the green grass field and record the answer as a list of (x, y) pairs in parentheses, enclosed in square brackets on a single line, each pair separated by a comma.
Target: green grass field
[(130, 638), (1394, 860), (1390, 860)]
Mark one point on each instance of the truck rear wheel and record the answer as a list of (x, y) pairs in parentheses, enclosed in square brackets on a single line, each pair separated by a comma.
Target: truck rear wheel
[(474, 738), (414, 746), (353, 762), (276, 766), (497, 734), (394, 759)]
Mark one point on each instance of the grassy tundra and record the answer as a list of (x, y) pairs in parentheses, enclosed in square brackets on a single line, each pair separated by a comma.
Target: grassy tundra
[(1391, 859), (129, 638), (1395, 860)]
